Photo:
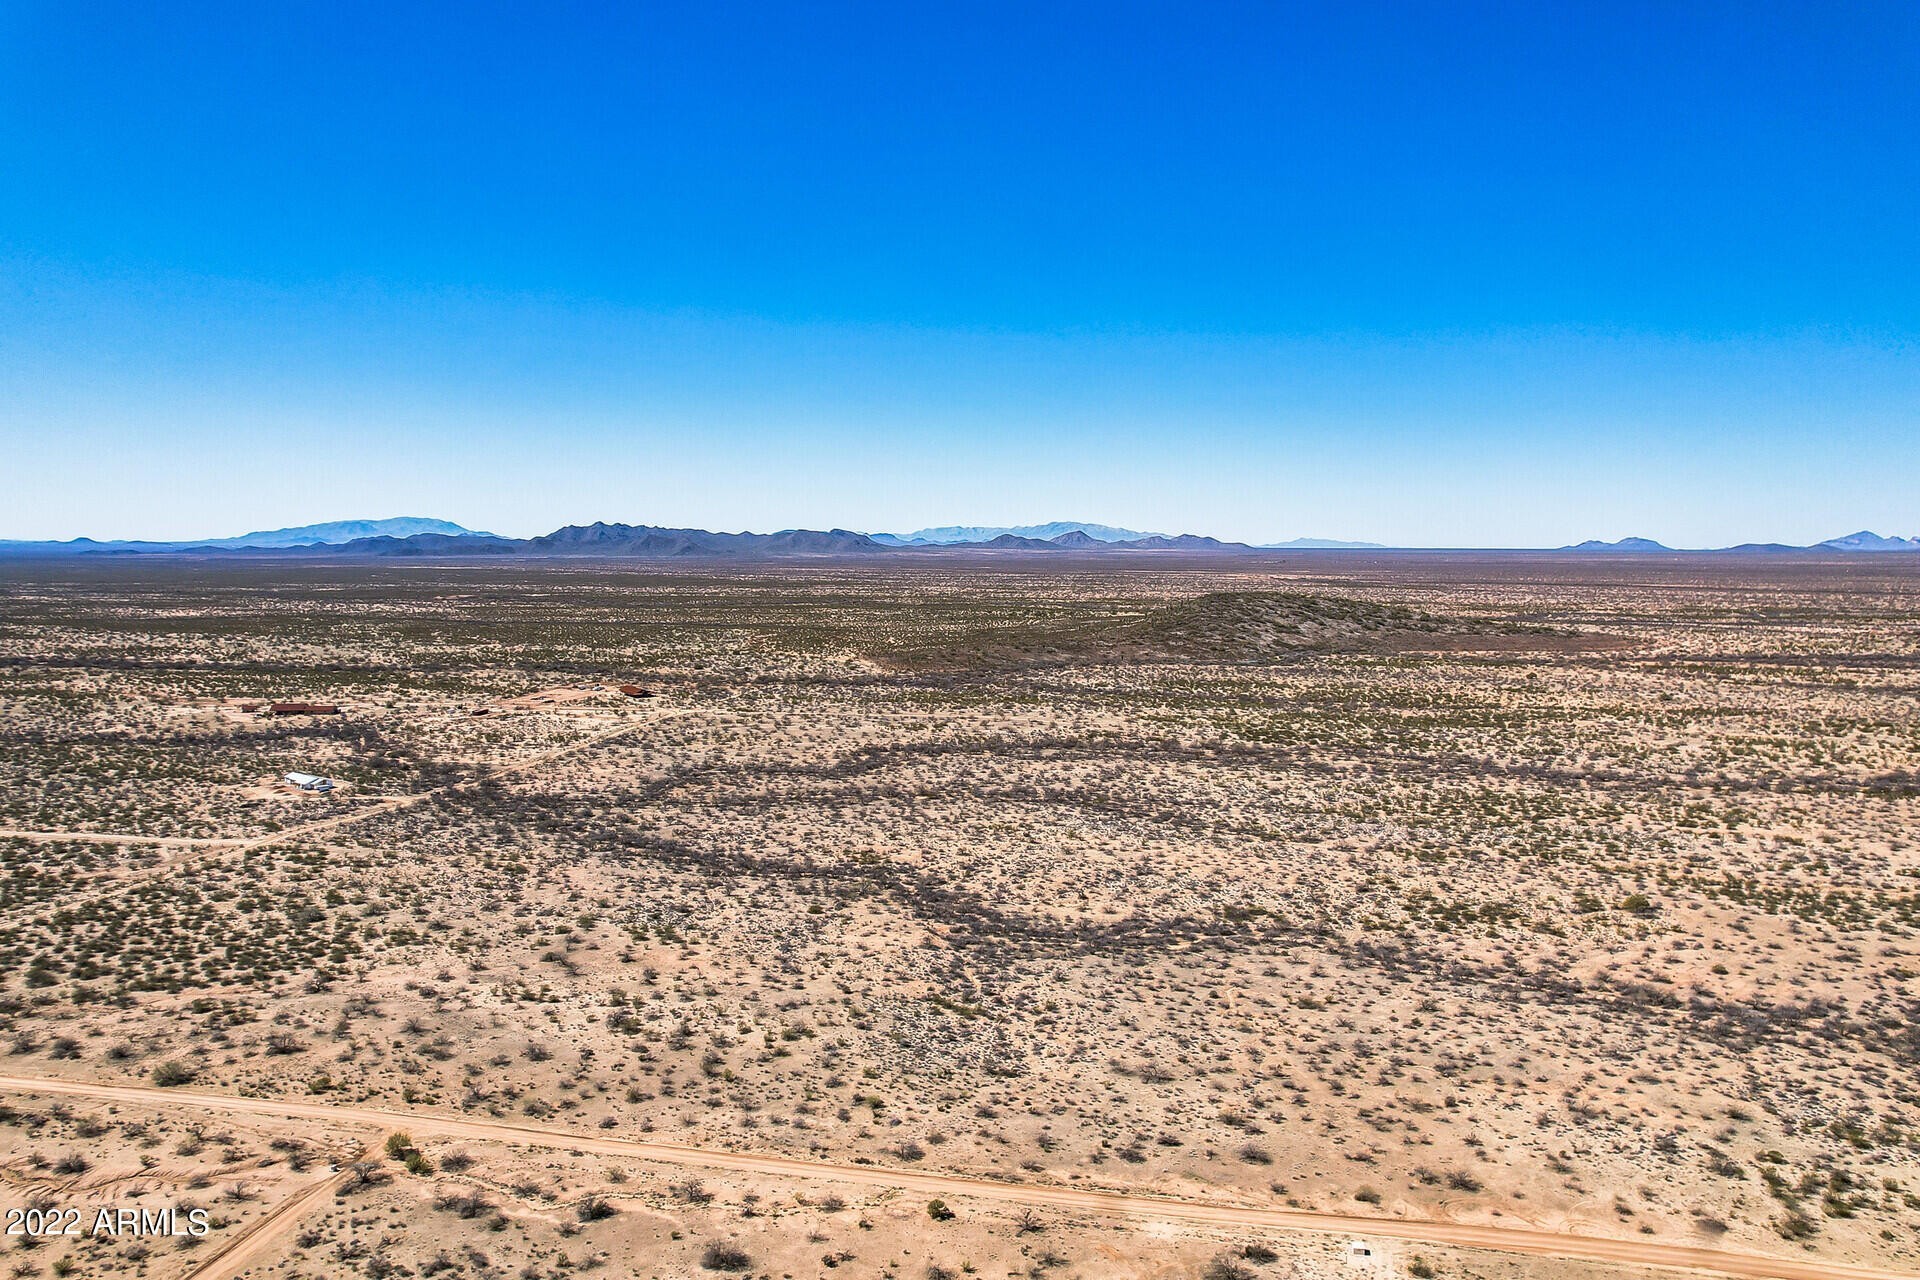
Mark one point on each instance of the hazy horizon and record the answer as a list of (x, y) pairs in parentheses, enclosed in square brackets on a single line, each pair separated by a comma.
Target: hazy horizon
[(989, 530), (1497, 279)]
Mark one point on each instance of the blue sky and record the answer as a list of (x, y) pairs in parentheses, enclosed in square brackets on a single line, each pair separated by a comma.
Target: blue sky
[(1423, 274)]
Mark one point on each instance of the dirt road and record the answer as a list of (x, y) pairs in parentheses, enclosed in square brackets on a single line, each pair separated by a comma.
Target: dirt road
[(102, 837), (1109, 1204), (262, 1241)]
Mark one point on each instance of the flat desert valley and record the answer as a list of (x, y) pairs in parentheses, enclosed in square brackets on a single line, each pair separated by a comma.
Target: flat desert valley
[(1328, 915)]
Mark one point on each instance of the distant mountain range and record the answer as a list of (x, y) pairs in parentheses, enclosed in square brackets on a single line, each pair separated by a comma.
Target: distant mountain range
[(947, 535), (1322, 544), (416, 536), (338, 531), (651, 542), (1056, 531), (333, 533), (1625, 544), (1865, 540)]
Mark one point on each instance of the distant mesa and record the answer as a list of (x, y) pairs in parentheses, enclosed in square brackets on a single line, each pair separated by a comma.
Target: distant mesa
[(1322, 544)]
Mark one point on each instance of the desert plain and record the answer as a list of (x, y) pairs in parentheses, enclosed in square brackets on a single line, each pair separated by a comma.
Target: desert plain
[(1312, 916)]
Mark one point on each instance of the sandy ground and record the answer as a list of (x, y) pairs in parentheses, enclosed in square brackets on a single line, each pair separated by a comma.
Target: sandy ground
[(259, 1241), (1585, 928)]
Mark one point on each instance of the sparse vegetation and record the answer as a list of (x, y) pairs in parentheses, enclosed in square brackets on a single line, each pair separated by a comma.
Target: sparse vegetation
[(719, 1256), (1456, 891)]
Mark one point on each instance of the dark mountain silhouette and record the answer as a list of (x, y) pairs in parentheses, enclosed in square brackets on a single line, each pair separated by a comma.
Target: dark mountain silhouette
[(428, 544), (1624, 544), (1005, 542), (648, 541)]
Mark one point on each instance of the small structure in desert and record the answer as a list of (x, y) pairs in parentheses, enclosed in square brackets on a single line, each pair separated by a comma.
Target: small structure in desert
[(635, 691), (302, 709), (309, 782), (1368, 1260)]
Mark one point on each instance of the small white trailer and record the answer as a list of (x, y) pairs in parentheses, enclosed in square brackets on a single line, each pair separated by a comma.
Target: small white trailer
[(310, 782)]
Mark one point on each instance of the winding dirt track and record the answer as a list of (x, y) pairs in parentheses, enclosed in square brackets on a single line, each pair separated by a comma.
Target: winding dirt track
[(1109, 1204)]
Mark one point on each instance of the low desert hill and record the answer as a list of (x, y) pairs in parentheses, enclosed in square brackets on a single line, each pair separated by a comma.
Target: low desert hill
[(1218, 627)]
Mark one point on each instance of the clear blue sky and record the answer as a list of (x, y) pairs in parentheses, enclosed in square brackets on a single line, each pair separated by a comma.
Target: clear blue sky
[(1422, 273)]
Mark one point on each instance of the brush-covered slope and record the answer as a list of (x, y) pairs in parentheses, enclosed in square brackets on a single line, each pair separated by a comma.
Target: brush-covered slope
[(1219, 627)]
